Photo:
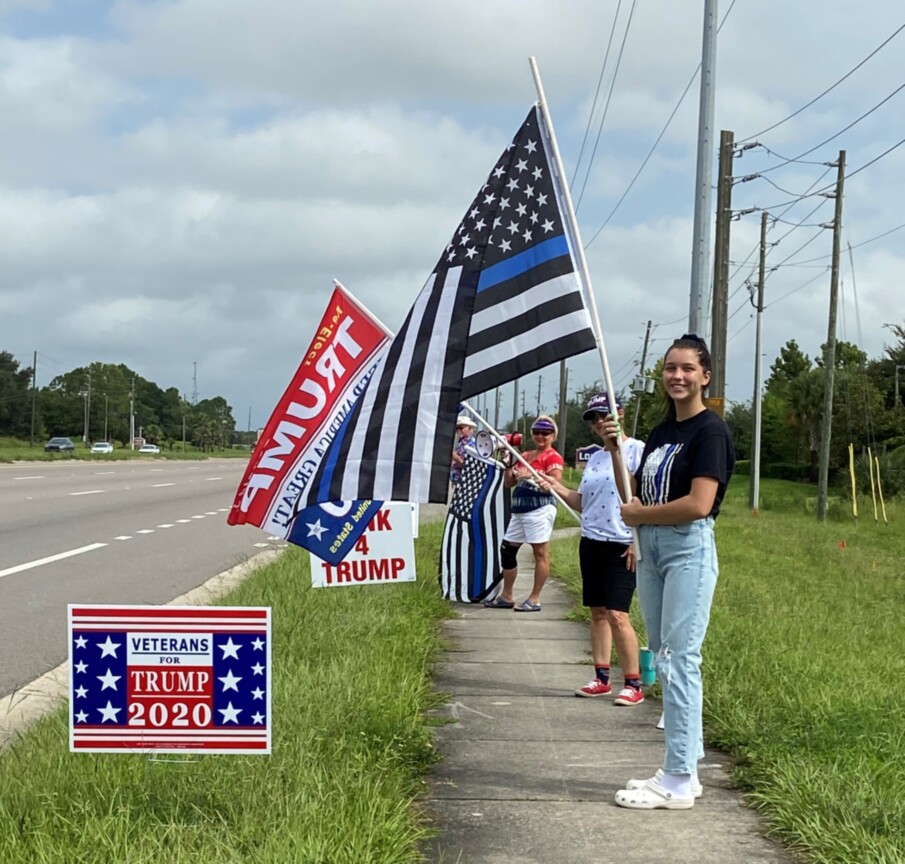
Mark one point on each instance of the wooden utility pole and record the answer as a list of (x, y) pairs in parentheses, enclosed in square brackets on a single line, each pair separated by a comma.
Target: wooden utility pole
[(34, 396), (829, 354), (640, 390), (563, 407), (720, 314), (754, 496)]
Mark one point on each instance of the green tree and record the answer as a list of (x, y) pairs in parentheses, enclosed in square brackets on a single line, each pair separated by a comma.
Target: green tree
[(787, 367), (15, 397)]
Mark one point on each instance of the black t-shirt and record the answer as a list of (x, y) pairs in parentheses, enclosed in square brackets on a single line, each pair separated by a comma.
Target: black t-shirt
[(678, 451)]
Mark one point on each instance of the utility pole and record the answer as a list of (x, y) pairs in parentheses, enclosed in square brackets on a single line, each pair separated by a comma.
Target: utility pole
[(195, 382), (34, 396), (640, 390), (496, 408), (829, 356), (515, 405), (88, 409), (540, 381), (700, 251), (132, 416), (717, 389), (754, 492), (563, 407)]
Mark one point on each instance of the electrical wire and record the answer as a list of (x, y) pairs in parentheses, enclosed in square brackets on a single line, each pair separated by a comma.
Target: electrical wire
[(606, 58), (829, 89), (657, 142), (606, 107)]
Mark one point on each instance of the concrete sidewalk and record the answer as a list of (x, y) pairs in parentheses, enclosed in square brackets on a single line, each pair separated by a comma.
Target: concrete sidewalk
[(529, 770)]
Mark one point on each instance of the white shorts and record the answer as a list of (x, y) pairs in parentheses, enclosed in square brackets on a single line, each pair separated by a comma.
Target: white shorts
[(533, 527)]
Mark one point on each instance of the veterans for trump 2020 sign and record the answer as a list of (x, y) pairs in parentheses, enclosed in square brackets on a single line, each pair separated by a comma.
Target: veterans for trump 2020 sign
[(169, 679), (384, 553)]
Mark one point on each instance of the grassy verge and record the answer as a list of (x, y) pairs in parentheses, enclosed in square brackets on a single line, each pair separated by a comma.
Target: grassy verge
[(13, 450), (804, 669), (351, 682)]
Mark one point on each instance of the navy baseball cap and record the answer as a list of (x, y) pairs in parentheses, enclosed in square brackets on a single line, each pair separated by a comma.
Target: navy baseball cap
[(599, 403)]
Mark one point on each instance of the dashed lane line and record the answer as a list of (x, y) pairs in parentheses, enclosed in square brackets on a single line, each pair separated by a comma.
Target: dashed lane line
[(50, 559), (88, 492), (161, 485)]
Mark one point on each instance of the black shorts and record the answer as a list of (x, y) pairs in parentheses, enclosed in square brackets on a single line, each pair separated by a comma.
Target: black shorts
[(605, 580)]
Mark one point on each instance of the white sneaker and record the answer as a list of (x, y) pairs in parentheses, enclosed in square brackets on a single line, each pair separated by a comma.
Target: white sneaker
[(697, 790)]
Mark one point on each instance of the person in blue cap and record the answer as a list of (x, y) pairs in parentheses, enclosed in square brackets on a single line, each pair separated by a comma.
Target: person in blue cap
[(607, 559)]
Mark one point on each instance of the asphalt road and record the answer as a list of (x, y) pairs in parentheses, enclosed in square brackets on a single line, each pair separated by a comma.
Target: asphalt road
[(117, 532)]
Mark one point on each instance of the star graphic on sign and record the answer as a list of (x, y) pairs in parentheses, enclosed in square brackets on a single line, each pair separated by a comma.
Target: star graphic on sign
[(315, 529), (230, 681), (80, 693), (81, 717), (257, 718), (230, 649), (258, 669), (258, 644), (81, 642), (257, 693), (109, 680), (80, 667), (230, 714), (109, 713), (108, 648)]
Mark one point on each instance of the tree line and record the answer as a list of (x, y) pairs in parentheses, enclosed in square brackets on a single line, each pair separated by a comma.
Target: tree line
[(98, 399), (868, 411)]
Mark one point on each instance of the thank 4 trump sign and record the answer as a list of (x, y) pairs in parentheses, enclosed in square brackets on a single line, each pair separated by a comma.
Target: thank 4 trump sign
[(384, 553), (169, 679)]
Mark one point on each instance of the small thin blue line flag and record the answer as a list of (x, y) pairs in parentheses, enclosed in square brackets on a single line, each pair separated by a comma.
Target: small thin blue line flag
[(470, 552), (504, 300)]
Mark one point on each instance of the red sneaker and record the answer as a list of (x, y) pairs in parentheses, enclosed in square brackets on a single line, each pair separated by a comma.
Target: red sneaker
[(629, 696), (594, 687)]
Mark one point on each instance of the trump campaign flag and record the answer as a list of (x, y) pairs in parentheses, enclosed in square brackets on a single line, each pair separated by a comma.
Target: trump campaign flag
[(345, 352), (475, 524), (504, 299)]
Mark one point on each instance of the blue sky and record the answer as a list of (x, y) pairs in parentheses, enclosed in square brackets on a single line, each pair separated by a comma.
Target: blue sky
[(181, 180)]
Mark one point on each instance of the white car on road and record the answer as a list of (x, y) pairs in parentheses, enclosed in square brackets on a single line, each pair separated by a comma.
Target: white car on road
[(149, 448), (101, 447)]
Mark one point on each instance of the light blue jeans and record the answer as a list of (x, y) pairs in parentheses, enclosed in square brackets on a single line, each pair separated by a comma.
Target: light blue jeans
[(677, 576)]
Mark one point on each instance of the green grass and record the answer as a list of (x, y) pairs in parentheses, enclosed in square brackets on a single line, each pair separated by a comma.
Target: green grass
[(351, 682), (805, 671)]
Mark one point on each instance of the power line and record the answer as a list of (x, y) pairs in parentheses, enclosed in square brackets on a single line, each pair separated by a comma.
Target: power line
[(828, 89), (657, 142), (606, 58), (606, 107)]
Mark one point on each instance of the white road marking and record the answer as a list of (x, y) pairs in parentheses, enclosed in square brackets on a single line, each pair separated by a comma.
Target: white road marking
[(89, 492), (211, 513), (101, 473), (183, 521), (34, 477), (262, 545), (50, 559), (160, 485), (166, 525), (123, 537), (197, 517), (208, 479), (145, 531), (223, 510)]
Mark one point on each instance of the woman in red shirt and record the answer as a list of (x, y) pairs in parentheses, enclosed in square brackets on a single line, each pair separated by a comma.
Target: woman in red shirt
[(533, 515)]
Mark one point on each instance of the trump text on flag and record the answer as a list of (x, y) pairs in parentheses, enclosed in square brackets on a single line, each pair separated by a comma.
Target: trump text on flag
[(169, 679), (384, 553)]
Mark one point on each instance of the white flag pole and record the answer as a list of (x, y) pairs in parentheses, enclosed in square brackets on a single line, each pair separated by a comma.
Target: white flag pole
[(584, 273), (519, 457)]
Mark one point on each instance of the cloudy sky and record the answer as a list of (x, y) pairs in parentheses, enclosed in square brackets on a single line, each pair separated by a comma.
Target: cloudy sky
[(181, 179)]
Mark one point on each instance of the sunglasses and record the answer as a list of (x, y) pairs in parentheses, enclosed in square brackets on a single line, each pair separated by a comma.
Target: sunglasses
[(543, 432)]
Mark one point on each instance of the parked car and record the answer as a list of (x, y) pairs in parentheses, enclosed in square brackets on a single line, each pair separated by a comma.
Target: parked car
[(149, 448), (59, 445), (101, 447)]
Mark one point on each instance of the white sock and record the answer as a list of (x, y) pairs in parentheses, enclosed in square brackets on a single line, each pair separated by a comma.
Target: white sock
[(678, 784)]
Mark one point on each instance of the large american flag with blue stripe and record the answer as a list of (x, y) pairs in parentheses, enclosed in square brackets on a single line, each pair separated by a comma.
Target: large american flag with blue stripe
[(504, 300)]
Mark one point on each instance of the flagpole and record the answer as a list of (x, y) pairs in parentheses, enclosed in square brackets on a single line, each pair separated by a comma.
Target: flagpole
[(584, 273), (363, 308), (520, 458)]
